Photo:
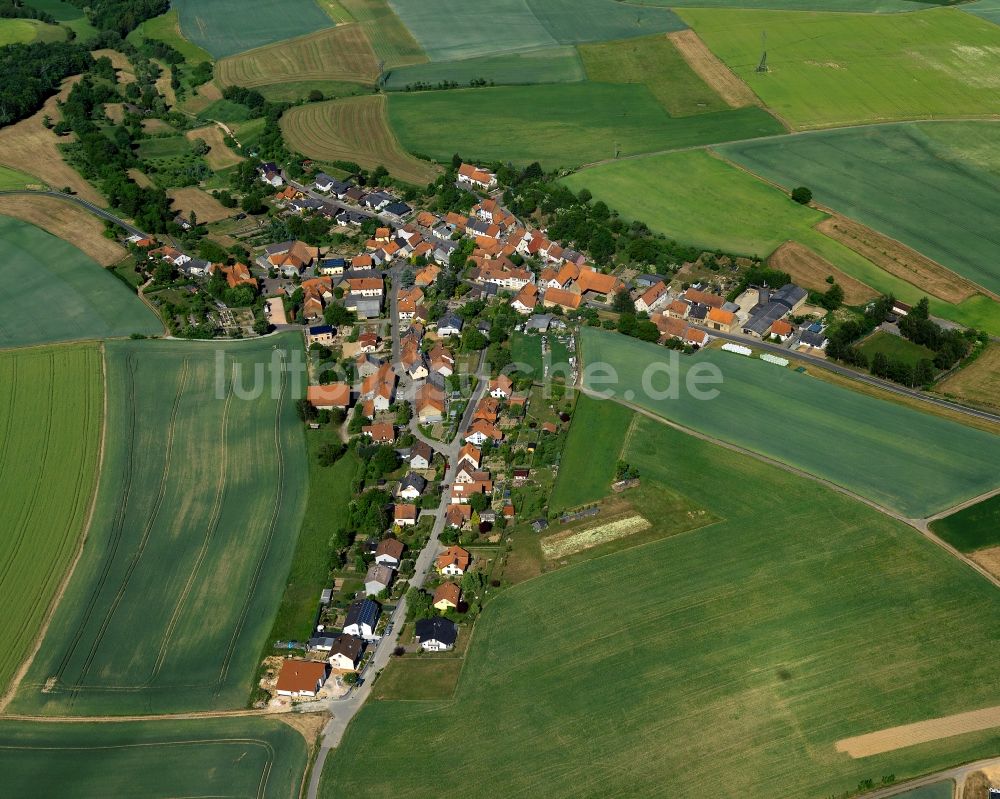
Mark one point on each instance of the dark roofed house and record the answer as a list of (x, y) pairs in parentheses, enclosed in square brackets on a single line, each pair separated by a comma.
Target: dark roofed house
[(698, 312), (346, 652), (790, 295), (813, 339), (412, 486), (362, 617), (437, 634), (421, 455), (397, 208), (389, 552)]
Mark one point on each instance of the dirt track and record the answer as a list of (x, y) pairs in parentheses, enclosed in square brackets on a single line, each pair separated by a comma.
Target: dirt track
[(711, 70), (893, 738)]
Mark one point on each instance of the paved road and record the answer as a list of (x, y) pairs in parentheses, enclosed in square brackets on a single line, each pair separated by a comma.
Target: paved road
[(957, 774), (88, 206), (853, 374), (344, 709)]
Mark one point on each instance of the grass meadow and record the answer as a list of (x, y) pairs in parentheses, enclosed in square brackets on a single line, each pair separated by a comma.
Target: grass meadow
[(933, 186), (865, 6), (167, 28), (25, 31), (598, 427), (714, 204), (559, 125), (263, 758), (353, 129), (739, 654), (830, 69), (912, 462), (51, 411), (895, 347), (226, 27), (61, 294), (66, 14), (972, 528), (560, 64), (198, 508), (15, 179)]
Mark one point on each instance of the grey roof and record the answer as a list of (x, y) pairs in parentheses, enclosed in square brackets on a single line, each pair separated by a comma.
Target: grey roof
[(758, 325), (478, 226), (649, 280), (321, 642), (379, 573), (450, 320), (368, 307), (350, 646), (413, 480), (280, 247), (698, 311), (350, 216), (812, 339), (732, 307), (437, 629), (398, 208), (195, 264), (317, 330), (423, 449), (789, 295), (539, 321), (364, 611), (445, 245)]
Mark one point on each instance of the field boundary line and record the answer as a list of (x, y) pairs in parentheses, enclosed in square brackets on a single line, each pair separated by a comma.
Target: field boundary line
[(84, 535), (904, 735)]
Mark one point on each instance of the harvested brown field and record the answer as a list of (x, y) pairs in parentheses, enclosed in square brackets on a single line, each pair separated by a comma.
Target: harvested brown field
[(203, 97), (988, 558), (353, 129), (31, 147), (977, 786), (163, 85), (119, 61), (888, 740), (811, 270), (711, 70), (979, 382), (156, 127), (342, 53), (115, 112), (219, 156), (141, 178), (899, 260), (204, 205), (67, 221)]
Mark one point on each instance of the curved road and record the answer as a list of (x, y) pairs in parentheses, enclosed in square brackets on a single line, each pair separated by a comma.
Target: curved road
[(85, 204)]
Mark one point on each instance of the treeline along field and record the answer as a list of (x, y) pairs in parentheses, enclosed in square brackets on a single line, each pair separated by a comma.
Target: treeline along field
[(198, 511)]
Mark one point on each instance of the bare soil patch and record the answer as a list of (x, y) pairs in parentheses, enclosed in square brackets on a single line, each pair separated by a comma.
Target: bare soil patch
[(310, 725), (67, 221), (979, 382), (31, 147), (977, 786), (893, 738), (204, 205), (711, 70), (219, 156), (988, 558), (899, 260), (811, 270)]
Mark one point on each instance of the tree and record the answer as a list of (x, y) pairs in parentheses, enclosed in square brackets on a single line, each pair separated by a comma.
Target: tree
[(315, 96), (802, 195), (623, 302), (479, 502), (330, 453)]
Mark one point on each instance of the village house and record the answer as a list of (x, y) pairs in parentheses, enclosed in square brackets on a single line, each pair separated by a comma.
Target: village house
[(656, 295), (526, 299), (447, 596), (301, 679), (501, 387), (389, 552), (442, 361), (453, 562), (458, 515), (366, 364), (379, 388), (482, 431), (421, 455), (782, 330), (405, 515), (561, 298), (721, 320), (436, 635), (362, 618), (236, 275), (368, 342), (378, 579), (328, 397), (320, 334), (471, 454), (449, 325), (412, 486), (462, 493), (380, 432), (345, 654), (474, 176), (430, 404)]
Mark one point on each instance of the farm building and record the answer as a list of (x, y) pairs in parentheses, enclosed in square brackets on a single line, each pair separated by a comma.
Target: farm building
[(301, 678)]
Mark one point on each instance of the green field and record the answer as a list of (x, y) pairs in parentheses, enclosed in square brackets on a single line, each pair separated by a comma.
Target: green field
[(51, 409), (560, 125), (939, 790), (390, 39), (166, 28), (972, 528), (56, 293), (527, 350), (326, 510), (911, 462), (655, 62), (198, 510), (895, 347), (452, 29), (165, 146), (66, 14), (227, 27), (597, 427), (262, 758), (744, 650), (13, 179), (550, 65), (866, 6), (933, 186), (839, 69), (23, 31), (713, 204)]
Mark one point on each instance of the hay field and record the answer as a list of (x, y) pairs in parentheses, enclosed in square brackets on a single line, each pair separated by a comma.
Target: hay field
[(226, 27), (15, 179), (197, 514), (51, 414), (559, 125), (979, 382), (714, 204), (337, 54), (354, 129), (56, 293), (262, 758), (810, 270), (392, 41), (31, 147), (656, 63), (839, 69), (740, 654), (167, 28), (932, 186), (549, 65), (704, 62), (220, 156), (67, 221), (26, 31), (911, 462), (597, 427), (451, 29), (207, 208)]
